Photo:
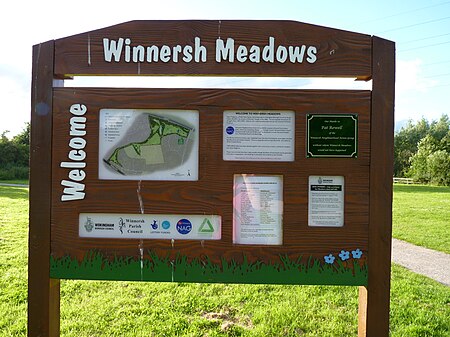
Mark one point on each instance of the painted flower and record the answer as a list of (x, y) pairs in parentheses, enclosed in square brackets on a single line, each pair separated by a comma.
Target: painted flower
[(329, 259), (344, 255), (357, 253)]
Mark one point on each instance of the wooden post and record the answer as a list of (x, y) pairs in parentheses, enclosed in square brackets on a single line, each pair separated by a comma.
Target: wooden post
[(43, 292), (374, 301)]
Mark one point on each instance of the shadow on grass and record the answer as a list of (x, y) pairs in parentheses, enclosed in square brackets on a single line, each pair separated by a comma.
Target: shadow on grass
[(13, 192)]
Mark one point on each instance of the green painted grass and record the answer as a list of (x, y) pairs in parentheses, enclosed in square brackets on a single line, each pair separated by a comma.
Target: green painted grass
[(95, 267), (421, 215), (420, 307)]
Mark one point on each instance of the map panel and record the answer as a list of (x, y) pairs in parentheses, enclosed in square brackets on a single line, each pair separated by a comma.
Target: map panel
[(148, 144)]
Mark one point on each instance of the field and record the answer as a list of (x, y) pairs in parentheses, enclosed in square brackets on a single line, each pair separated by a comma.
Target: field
[(419, 306), (421, 216)]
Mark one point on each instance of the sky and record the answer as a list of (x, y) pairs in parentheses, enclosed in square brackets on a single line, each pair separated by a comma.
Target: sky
[(420, 29)]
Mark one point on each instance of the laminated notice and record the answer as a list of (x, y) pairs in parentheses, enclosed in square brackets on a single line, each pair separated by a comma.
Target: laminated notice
[(326, 201), (258, 135), (258, 210)]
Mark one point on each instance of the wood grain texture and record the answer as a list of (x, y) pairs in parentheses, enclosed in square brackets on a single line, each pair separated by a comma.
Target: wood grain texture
[(212, 193), (381, 172), (339, 53), (43, 293)]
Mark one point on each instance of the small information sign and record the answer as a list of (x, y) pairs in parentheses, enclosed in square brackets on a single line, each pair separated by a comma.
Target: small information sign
[(326, 201), (258, 135), (332, 135)]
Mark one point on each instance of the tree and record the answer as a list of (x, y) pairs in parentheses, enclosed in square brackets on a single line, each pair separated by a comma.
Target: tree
[(24, 136), (419, 170), (406, 144), (438, 164), (431, 163), (14, 155)]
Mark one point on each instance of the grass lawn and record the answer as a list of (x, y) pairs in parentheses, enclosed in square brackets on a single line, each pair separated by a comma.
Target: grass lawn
[(421, 216), (419, 306), (19, 182)]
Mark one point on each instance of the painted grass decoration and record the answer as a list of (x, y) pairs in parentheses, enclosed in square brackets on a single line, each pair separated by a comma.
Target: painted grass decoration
[(96, 267)]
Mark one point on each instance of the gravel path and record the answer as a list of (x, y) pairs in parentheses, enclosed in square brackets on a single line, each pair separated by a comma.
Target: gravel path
[(13, 185), (420, 260)]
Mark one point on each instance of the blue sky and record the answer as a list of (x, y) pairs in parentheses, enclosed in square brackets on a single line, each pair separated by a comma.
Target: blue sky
[(421, 30)]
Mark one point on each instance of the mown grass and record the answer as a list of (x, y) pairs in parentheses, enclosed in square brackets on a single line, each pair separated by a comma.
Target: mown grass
[(419, 306), (421, 215)]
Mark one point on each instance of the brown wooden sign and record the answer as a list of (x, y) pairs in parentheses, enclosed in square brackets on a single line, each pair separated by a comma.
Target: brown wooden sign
[(211, 185)]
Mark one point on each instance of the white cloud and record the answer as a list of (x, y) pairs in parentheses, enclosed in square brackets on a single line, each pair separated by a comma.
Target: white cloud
[(15, 110), (409, 77)]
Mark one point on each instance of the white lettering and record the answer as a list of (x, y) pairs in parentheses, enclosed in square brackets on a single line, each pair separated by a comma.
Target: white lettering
[(268, 51), (282, 54), (78, 109), (77, 143), (165, 54), (77, 155), (176, 51), (112, 48), (77, 126), (312, 57), (138, 54), (127, 50), (241, 54), (200, 51), (187, 54), (77, 175), (296, 53), (227, 50), (73, 188), (255, 54), (152, 54), (224, 52)]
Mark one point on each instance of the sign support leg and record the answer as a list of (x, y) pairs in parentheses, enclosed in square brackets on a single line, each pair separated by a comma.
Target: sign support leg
[(43, 292), (374, 300)]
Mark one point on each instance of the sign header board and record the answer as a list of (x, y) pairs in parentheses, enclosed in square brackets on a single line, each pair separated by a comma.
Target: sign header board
[(215, 47)]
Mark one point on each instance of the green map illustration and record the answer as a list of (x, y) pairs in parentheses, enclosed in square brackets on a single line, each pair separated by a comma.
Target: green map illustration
[(152, 143)]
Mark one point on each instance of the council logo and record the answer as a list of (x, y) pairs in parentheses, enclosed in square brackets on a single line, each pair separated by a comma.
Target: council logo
[(230, 130), (184, 226), (89, 225)]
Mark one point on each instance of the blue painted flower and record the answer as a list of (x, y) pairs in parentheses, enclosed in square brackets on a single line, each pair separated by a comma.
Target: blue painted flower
[(357, 253), (329, 259), (344, 255)]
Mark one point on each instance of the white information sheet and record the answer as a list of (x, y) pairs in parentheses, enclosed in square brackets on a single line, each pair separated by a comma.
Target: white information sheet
[(258, 210), (258, 135), (137, 144), (326, 201), (150, 226)]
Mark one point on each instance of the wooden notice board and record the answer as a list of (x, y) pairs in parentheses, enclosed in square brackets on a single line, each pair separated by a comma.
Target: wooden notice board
[(212, 185)]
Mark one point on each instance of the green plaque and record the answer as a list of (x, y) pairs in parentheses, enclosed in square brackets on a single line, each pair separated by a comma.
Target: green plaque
[(331, 135)]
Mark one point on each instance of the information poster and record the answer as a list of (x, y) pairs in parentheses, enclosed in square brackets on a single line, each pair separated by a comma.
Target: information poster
[(258, 135), (326, 201), (150, 226), (148, 144), (332, 135), (258, 210)]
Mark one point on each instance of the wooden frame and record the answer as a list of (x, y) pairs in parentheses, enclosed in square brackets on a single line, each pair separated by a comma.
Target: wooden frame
[(338, 54)]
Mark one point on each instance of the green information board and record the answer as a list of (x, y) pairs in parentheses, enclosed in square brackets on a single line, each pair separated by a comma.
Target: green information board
[(332, 135)]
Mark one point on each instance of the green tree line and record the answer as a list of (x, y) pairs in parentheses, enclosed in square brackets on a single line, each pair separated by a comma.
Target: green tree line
[(422, 151), (14, 155)]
